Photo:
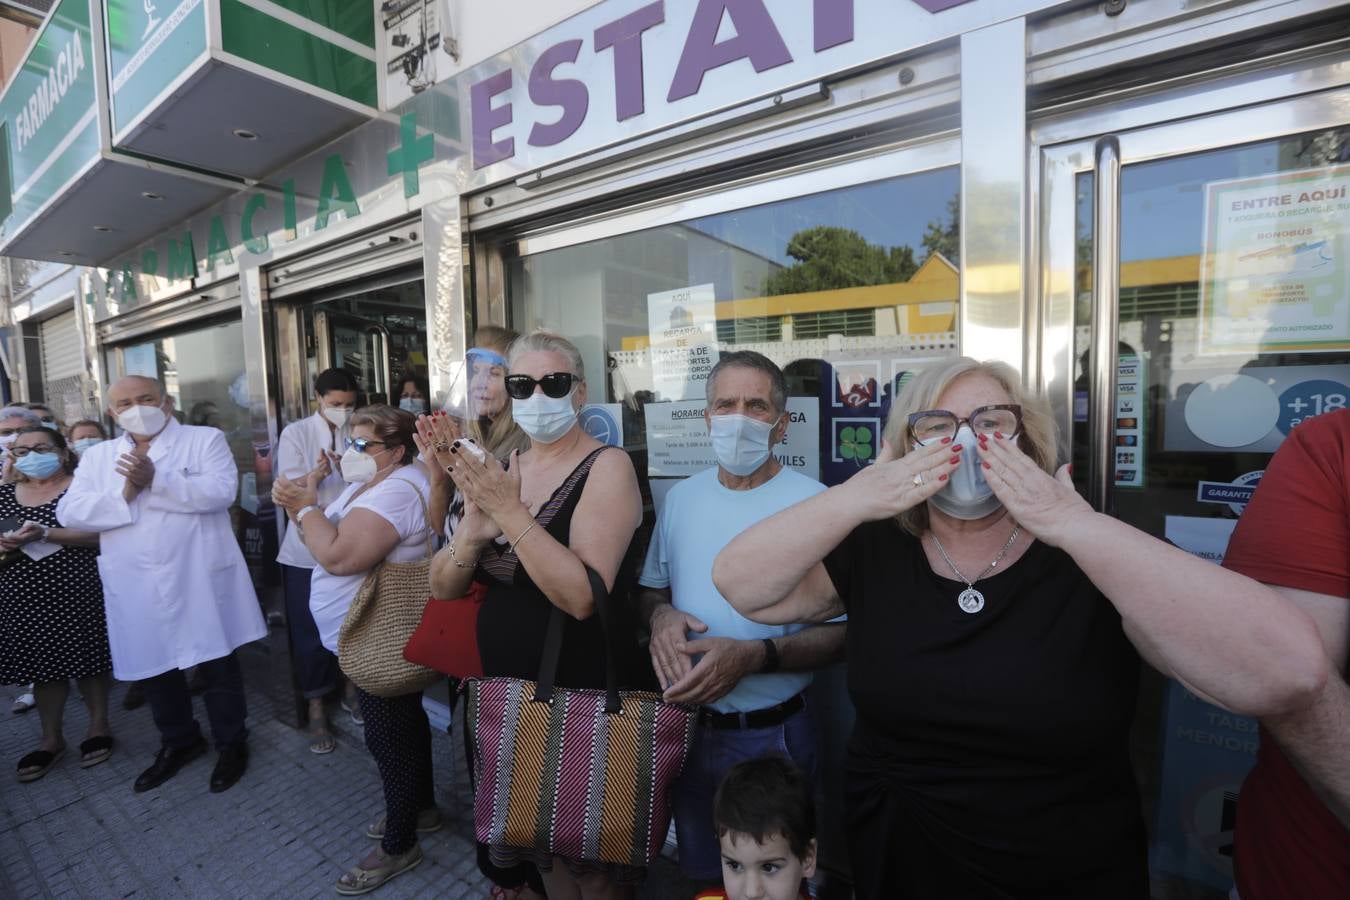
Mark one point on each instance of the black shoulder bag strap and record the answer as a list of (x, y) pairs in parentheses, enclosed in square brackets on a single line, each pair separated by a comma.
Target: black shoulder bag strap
[(548, 666)]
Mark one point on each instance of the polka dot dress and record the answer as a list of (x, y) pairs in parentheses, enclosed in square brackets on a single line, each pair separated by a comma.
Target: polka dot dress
[(52, 625)]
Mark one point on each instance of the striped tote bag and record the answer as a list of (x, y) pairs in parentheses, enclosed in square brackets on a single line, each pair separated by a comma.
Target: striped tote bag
[(584, 774)]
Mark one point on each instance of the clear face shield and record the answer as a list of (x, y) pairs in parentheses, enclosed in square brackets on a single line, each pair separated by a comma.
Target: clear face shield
[(477, 397)]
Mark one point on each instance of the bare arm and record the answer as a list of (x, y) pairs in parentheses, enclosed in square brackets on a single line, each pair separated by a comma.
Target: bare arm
[(1224, 636), (785, 550), (607, 515), (1316, 738), (361, 541), (69, 537)]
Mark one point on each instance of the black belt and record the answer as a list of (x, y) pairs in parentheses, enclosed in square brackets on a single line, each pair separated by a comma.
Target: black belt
[(760, 718)]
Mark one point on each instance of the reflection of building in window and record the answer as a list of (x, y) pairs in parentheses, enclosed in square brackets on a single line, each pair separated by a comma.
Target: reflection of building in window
[(752, 329), (846, 322)]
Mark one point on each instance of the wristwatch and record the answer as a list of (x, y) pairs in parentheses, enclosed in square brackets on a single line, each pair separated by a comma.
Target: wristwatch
[(770, 657)]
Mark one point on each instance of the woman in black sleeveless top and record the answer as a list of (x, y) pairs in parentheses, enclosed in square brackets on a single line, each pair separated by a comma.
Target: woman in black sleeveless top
[(529, 532), (995, 627)]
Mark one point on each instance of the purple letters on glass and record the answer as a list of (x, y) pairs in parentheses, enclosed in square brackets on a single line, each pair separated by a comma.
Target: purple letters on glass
[(486, 119), (834, 23), (625, 36), (569, 93), (937, 6), (757, 39)]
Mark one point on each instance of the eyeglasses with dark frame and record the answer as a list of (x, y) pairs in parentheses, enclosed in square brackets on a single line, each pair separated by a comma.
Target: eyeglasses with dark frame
[(362, 443), (555, 385), (1001, 418), (21, 452)]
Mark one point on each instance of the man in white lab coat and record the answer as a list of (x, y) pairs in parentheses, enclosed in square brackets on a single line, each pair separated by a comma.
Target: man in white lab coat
[(175, 585)]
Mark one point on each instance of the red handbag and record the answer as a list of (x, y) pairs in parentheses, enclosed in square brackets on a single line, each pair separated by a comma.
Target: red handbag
[(447, 637)]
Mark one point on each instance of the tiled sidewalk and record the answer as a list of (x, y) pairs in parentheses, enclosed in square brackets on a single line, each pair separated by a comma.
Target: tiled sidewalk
[(288, 829)]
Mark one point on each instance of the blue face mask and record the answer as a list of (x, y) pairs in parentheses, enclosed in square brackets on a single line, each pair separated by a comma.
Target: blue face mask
[(412, 405), (38, 465), (84, 444), (50, 424)]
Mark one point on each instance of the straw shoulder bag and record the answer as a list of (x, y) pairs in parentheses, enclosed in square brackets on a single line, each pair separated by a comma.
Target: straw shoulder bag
[(383, 615)]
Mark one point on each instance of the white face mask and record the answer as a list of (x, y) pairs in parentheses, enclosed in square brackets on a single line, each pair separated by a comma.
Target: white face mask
[(740, 442), (544, 418), (8, 440), (358, 467), (338, 415), (967, 495), (146, 421), (412, 405)]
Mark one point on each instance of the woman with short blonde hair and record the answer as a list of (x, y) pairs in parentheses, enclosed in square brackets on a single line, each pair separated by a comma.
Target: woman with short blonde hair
[(995, 628)]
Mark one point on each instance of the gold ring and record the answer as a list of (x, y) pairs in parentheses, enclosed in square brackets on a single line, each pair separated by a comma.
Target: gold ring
[(442, 445)]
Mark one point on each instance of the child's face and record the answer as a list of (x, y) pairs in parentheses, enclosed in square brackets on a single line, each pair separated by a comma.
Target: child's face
[(767, 871)]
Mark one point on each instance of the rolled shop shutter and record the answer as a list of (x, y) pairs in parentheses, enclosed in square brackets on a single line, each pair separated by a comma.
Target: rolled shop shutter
[(61, 353)]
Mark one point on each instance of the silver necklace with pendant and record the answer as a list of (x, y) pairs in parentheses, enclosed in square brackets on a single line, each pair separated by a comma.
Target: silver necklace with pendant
[(971, 600)]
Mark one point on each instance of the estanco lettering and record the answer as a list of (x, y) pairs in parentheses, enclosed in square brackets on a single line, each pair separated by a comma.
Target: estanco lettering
[(69, 64), (756, 38)]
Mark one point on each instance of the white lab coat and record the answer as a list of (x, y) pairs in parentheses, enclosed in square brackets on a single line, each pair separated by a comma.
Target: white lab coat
[(297, 453), (175, 586)]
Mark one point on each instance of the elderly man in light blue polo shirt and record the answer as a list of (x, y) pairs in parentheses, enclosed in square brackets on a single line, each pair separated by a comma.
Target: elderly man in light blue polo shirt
[(748, 678)]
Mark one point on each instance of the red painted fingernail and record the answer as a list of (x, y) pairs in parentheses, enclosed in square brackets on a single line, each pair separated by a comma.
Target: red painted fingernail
[(948, 440), (957, 447), (955, 459), (942, 477), (987, 466), (1070, 468), (999, 435)]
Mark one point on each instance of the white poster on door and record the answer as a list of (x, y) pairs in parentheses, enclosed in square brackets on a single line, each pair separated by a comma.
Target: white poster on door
[(678, 444), (682, 326), (1275, 271)]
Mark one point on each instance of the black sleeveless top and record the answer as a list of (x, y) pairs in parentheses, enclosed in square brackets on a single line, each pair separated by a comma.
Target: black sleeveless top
[(990, 755), (514, 617)]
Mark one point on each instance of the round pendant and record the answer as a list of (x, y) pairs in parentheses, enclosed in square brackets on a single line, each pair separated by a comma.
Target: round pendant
[(970, 600)]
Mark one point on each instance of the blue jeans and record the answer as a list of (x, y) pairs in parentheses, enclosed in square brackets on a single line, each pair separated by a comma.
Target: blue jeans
[(316, 668), (715, 752), (171, 704)]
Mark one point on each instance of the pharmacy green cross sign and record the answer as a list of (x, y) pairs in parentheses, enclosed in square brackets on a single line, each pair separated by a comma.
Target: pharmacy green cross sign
[(409, 156)]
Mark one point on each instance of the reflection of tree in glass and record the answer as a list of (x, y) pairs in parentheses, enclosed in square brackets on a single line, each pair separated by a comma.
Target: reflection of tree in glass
[(829, 257), (946, 238)]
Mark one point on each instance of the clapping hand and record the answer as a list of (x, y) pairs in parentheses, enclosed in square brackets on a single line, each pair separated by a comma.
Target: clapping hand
[(1044, 505), (138, 470), (294, 496), (491, 488), (435, 435)]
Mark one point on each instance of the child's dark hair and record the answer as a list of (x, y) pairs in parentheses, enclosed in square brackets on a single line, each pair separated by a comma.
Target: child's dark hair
[(763, 797)]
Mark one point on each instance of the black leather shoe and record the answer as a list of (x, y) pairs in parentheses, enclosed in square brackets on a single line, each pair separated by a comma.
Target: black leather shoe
[(167, 763), (230, 767)]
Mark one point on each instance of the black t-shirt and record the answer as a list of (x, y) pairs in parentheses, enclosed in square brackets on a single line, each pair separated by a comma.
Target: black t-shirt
[(990, 756)]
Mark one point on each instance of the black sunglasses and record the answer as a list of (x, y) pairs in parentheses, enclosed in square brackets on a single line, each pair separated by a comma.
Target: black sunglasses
[(555, 385)]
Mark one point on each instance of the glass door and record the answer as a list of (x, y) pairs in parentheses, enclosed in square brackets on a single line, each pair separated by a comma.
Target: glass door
[(1202, 273)]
